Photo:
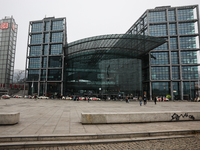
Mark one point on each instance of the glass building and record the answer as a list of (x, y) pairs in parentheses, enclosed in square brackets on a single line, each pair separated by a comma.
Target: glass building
[(8, 38), (157, 56), (173, 67), (45, 56)]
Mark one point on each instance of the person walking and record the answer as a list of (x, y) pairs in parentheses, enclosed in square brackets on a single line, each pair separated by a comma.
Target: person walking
[(155, 99), (88, 99), (145, 101), (140, 99)]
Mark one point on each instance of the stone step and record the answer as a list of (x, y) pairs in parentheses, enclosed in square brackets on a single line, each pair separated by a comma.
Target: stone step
[(36, 144), (8, 142)]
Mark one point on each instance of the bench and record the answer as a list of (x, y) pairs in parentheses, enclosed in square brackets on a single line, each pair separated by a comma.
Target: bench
[(138, 117), (9, 118)]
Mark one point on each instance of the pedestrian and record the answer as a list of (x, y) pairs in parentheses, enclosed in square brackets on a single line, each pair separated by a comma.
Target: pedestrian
[(155, 99), (127, 98), (140, 99), (145, 101), (88, 99)]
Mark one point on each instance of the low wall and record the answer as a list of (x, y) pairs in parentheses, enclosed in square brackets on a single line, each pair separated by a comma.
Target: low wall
[(9, 118), (134, 117)]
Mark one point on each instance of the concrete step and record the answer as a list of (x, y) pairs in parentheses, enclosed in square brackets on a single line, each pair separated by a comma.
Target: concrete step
[(9, 142)]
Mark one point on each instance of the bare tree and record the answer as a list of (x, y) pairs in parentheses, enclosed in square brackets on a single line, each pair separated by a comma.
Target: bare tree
[(19, 76)]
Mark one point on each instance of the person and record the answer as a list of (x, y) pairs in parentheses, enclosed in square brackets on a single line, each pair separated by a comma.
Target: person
[(127, 99), (145, 101), (88, 99), (140, 99), (155, 99)]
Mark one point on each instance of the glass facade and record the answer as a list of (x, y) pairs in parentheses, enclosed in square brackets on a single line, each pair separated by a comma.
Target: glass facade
[(46, 55), (8, 38), (178, 61), (158, 55)]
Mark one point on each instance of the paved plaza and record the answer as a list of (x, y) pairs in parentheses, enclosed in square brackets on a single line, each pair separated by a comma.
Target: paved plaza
[(61, 117)]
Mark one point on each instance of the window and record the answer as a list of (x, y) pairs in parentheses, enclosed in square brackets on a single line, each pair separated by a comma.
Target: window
[(45, 50), (186, 28), (188, 57), (56, 49), (189, 72), (44, 62), (174, 58), (172, 29), (158, 30), (187, 42), (159, 58), (185, 14), (33, 75), (35, 51), (47, 26), (37, 27), (159, 16), (173, 43), (175, 73), (36, 39), (171, 15), (160, 73), (34, 63), (57, 25), (162, 47), (55, 61), (46, 38), (54, 74), (57, 37)]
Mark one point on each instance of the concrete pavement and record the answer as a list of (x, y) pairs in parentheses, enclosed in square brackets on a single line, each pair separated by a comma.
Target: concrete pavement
[(63, 117)]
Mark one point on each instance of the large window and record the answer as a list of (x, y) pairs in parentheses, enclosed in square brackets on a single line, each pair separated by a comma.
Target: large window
[(57, 25), (54, 74), (188, 57), (160, 58), (43, 74), (158, 30), (157, 16), (56, 49), (57, 37), (186, 28), (160, 73), (187, 42), (175, 73), (37, 27), (160, 88), (36, 38), (35, 51), (34, 63), (189, 72), (185, 14), (162, 47), (174, 58), (55, 61), (33, 75)]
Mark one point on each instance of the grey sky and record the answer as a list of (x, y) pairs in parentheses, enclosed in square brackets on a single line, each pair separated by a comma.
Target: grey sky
[(85, 18)]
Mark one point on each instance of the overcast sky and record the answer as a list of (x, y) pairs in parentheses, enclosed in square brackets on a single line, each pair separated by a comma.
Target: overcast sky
[(85, 18)]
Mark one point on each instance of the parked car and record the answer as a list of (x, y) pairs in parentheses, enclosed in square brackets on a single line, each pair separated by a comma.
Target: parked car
[(43, 97), (160, 98), (67, 98), (95, 99), (17, 96), (5, 96), (81, 98)]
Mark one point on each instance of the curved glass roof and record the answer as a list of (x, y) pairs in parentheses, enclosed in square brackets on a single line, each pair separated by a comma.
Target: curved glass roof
[(104, 46)]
